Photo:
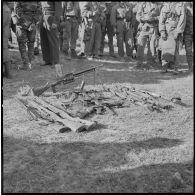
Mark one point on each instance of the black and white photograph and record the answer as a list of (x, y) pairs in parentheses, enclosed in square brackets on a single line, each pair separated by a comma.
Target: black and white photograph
[(97, 97)]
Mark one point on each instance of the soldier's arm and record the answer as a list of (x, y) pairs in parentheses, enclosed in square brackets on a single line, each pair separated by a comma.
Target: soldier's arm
[(113, 16), (182, 20), (18, 8), (139, 15)]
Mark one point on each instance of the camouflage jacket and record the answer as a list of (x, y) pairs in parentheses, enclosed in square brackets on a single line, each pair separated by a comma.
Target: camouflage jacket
[(71, 8), (121, 12), (149, 13), (27, 12), (172, 18)]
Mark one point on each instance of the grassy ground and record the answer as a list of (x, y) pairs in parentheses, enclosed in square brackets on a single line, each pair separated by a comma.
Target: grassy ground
[(136, 151)]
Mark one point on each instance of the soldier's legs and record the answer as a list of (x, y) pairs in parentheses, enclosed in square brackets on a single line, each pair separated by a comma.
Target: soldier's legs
[(53, 45), (90, 46), (45, 44), (102, 43), (82, 44), (142, 40), (66, 36), (97, 39), (110, 32), (22, 41), (30, 43), (74, 37), (37, 40), (129, 42), (120, 38), (188, 41), (153, 46)]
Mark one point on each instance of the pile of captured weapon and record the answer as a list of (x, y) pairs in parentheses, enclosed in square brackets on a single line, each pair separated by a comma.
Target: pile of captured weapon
[(71, 108)]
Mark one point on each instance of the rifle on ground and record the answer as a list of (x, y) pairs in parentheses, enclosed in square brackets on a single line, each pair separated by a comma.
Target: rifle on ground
[(68, 78)]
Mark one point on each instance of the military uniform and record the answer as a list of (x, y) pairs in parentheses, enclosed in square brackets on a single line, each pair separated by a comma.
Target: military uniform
[(122, 21), (71, 20), (49, 34), (188, 36), (108, 29), (85, 12), (92, 33), (6, 31), (171, 25), (27, 14), (148, 17)]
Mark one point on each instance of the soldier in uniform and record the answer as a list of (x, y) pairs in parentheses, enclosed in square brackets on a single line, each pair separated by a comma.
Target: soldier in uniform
[(108, 29), (148, 17), (49, 34), (27, 15), (95, 19), (188, 34), (6, 31), (70, 23), (122, 22), (171, 25), (85, 7)]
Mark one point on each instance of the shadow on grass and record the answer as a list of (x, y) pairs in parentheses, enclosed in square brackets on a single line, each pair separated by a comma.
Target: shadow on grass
[(79, 167)]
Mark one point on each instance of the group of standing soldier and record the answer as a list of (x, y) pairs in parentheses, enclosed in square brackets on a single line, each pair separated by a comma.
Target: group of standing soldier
[(160, 27)]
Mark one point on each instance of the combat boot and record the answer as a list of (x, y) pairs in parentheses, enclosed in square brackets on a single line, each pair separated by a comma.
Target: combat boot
[(7, 73)]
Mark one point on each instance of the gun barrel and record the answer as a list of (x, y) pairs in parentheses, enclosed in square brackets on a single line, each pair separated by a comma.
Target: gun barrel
[(87, 71)]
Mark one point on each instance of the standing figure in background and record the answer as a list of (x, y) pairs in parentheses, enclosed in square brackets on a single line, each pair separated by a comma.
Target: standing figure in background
[(49, 34), (27, 15), (171, 26), (148, 16), (188, 34), (71, 19), (108, 29), (122, 22), (93, 32), (6, 31)]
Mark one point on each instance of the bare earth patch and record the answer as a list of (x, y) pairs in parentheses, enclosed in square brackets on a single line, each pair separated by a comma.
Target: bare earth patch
[(136, 151)]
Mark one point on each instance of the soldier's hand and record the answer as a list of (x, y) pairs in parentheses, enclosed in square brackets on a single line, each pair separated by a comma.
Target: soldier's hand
[(62, 24), (32, 27), (54, 26), (18, 31)]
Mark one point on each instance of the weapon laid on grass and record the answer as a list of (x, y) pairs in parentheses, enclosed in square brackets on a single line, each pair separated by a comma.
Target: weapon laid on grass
[(68, 78)]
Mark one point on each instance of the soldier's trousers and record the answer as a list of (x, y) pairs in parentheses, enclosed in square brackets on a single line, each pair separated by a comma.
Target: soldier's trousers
[(82, 33), (37, 36), (124, 35), (49, 44), (109, 31), (70, 34), (145, 36), (26, 37), (93, 45), (6, 31), (188, 41)]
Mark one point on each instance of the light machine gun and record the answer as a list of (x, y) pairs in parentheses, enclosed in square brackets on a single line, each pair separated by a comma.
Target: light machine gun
[(68, 78)]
